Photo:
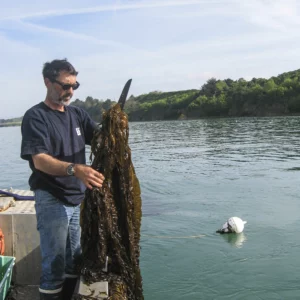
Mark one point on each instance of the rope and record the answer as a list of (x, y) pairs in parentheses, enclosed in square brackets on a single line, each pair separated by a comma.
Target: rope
[(174, 237)]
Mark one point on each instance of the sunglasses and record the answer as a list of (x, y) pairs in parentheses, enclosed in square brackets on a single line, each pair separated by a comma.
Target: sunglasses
[(66, 86)]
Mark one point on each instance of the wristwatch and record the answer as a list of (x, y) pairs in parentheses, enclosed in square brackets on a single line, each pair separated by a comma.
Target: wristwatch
[(70, 170)]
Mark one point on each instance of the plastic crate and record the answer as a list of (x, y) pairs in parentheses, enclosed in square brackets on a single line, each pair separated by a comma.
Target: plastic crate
[(6, 267)]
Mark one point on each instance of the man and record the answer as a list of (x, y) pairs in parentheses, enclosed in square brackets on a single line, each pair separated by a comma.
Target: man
[(54, 136)]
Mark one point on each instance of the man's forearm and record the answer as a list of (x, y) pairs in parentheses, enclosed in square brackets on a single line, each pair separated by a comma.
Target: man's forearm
[(50, 165)]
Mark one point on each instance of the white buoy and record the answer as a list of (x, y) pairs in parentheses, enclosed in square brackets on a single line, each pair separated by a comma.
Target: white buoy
[(233, 225)]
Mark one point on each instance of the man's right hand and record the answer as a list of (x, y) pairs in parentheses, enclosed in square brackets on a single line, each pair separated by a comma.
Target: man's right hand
[(90, 177)]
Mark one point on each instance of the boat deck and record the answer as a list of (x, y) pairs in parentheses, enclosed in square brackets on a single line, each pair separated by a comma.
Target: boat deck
[(23, 292)]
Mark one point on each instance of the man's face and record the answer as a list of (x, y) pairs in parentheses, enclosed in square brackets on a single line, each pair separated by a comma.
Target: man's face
[(59, 95)]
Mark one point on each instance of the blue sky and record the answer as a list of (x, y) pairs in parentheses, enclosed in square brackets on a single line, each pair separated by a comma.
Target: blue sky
[(164, 45)]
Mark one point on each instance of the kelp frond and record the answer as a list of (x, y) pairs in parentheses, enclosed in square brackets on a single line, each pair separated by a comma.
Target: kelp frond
[(111, 215)]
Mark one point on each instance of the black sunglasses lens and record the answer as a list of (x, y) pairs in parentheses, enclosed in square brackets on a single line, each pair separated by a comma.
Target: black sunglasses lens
[(68, 86), (75, 86)]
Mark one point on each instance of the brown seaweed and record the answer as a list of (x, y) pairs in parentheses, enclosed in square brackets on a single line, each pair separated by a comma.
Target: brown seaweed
[(111, 215)]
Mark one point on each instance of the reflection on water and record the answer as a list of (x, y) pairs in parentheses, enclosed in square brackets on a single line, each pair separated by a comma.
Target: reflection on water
[(235, 239)]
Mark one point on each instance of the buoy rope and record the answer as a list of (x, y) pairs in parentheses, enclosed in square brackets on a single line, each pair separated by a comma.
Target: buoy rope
[(173, 237)]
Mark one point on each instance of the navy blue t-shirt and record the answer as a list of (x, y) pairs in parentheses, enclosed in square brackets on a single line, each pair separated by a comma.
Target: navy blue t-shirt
[(63, 135)]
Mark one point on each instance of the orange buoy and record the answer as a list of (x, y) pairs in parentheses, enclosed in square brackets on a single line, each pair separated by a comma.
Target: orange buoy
[(2, 245)]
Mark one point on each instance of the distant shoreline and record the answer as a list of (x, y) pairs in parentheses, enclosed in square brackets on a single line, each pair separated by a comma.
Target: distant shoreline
[(10, 124), (15, 124)]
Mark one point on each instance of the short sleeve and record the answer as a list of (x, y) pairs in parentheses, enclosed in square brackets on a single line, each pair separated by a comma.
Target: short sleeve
[(88, 126), (35, 137)]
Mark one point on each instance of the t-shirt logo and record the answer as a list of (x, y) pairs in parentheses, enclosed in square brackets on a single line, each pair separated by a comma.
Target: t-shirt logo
[(78, 131)]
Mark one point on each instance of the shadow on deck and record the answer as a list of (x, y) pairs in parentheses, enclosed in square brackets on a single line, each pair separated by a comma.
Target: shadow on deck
[(23, 292)]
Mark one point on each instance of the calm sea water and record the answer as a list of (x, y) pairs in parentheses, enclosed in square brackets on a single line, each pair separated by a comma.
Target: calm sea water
[(194, 175)]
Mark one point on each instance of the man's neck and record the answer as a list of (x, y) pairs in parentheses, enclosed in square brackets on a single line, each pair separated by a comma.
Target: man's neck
[(54, 106)]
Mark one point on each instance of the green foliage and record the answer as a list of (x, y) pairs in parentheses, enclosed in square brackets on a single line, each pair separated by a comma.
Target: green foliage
[(94, 107), (257, 97), (159, 105)]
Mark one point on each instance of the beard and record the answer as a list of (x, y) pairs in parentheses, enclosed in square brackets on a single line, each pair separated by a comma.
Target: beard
[(60, 100)]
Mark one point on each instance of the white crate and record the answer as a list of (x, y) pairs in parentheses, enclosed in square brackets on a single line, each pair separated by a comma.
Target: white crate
[(22, 241)]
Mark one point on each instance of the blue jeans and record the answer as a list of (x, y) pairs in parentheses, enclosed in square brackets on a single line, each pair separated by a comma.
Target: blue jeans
[(59, 228)]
